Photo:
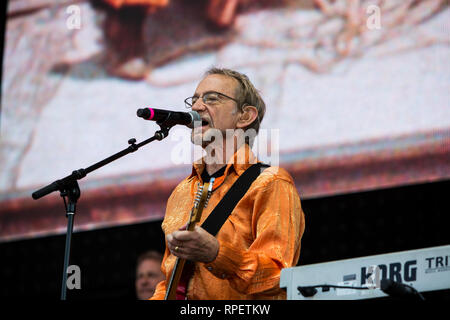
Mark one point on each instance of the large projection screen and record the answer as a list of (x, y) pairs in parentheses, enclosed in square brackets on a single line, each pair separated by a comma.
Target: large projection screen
[(357, 96)]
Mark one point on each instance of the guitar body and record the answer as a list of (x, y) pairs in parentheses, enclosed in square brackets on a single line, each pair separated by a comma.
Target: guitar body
[(200, 202)]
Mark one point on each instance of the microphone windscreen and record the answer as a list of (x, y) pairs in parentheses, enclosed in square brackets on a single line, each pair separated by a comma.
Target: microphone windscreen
[(143, 113), (195, 117)]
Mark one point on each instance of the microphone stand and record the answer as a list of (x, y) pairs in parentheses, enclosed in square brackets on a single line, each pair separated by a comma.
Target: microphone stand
[(68, 187)]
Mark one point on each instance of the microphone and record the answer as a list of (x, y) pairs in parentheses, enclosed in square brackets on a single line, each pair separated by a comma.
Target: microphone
[(399, 290), (169, 118)]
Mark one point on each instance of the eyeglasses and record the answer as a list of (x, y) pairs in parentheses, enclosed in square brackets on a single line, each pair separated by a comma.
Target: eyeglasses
[(209, 98)]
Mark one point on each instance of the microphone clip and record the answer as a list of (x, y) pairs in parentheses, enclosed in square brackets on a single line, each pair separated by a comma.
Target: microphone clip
[(163, 132)]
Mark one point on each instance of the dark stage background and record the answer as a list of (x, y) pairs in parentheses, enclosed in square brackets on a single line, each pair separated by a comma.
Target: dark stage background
[(337, 227)]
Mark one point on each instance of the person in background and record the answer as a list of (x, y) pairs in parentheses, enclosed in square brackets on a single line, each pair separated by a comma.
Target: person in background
[(148, 274)]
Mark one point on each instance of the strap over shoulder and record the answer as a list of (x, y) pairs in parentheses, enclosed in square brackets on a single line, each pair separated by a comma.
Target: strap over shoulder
[(224, 208)]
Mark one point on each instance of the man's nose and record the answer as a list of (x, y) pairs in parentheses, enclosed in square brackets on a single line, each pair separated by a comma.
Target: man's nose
[(198, 105)]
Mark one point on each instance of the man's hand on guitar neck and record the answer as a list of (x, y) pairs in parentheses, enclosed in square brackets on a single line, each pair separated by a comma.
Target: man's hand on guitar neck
[(196, 245)]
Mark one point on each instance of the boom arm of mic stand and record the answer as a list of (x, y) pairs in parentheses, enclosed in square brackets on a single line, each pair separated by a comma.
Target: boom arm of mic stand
[(62, 184), (68, 187)]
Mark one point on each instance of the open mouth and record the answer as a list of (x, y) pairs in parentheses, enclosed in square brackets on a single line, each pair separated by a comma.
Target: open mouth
[(205, 122)]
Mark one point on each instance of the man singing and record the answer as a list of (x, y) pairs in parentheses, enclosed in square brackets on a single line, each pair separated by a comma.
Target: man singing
[(262, 235)]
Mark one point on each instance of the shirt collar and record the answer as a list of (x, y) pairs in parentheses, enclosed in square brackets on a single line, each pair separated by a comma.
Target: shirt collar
[(240, 161)]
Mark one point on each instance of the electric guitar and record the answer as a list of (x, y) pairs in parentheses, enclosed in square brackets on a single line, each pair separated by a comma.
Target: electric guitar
[(201, 201)]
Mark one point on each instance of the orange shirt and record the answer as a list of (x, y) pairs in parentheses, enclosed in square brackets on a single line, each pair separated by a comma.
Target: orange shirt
[(261, 236)]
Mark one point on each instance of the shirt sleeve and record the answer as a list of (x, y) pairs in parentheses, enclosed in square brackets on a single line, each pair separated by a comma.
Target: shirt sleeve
[(161, 287), (278, 224), (160, 290), (171, 223)]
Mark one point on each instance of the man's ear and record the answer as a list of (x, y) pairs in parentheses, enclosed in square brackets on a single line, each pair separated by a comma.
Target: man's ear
[(248, 115)]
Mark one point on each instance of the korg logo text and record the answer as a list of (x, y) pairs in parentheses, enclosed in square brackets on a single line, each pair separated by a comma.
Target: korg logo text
[(395, 271)]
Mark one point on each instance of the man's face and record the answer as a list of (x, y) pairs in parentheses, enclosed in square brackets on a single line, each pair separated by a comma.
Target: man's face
[(148, 275), (221, 114)]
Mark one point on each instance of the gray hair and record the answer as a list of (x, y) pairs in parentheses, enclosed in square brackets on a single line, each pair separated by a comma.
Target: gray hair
[(247, 94)]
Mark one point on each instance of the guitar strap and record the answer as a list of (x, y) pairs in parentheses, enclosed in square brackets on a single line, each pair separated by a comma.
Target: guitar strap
[(220, 214)]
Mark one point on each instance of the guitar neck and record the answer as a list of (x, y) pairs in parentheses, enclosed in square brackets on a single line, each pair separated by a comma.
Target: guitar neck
[(190, 226)]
